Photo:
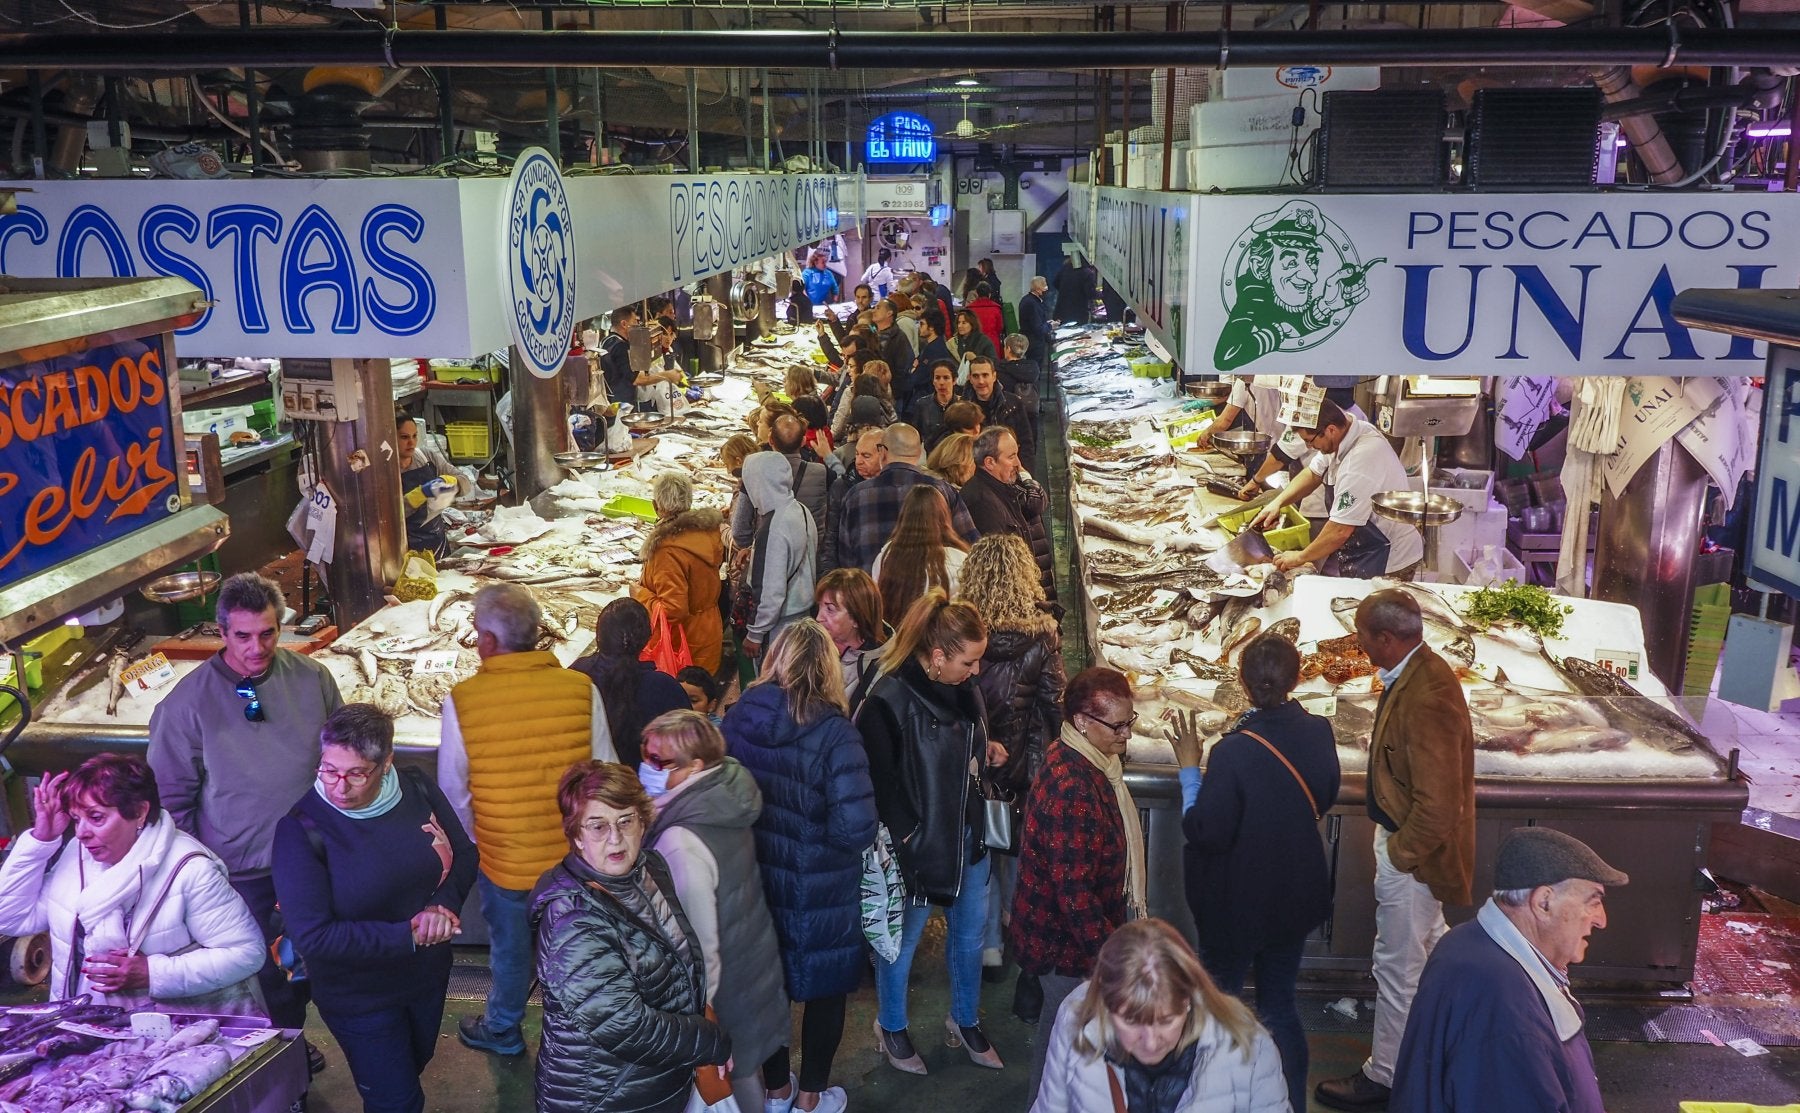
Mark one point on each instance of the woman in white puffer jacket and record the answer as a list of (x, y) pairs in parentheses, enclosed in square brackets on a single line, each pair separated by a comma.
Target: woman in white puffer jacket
[(138, 912), (1149, 1032)]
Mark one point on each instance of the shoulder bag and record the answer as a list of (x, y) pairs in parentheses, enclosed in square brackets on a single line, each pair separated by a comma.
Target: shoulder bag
[(1298, 779)]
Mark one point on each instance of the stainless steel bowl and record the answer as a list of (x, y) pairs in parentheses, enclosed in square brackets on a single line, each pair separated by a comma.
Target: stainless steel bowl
[(1212, 392), (1241, 444), (580, 461), (706, 378), (182, 587), (1415, 508), (645, 420)]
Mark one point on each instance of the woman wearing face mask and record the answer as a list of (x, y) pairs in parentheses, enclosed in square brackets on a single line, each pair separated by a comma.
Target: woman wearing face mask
[(371, 868), (1149, 1032), (623, 977), (790, 732), (631, 689), (924, 726), (702, 830), (138, 912)]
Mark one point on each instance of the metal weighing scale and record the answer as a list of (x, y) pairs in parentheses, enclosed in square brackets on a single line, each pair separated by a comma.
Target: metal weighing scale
[(1427, 407)]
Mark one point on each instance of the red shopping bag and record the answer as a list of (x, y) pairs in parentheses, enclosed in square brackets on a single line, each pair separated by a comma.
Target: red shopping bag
[(668, 647)]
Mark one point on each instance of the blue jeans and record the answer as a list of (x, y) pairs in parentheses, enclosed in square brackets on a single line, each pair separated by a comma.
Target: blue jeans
[(387, 1049), (509, 953), (1277, 972), (967, 920)]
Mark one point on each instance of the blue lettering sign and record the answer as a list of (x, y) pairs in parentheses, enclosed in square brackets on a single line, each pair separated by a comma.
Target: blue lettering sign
[(898, 138)]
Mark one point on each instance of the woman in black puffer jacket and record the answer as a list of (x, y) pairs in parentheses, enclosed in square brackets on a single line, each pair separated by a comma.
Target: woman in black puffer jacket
[(1021, 682), (622, 971)]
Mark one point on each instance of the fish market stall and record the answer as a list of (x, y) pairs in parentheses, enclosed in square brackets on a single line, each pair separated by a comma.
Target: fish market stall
[(1560, 738), (76, 1057)]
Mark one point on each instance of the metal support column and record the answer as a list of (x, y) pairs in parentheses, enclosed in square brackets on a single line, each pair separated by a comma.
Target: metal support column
[(371, 532), (540, 429), (252, 99), (768, 116), (1644, 553), (552, 115), (446, 104), (693, 106)]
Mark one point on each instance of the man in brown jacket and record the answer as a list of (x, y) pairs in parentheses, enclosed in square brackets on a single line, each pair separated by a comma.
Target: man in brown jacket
[(1421, 786)]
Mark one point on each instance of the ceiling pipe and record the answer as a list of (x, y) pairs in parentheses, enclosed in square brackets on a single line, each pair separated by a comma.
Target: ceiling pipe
[(1618, 87), (211, 49)]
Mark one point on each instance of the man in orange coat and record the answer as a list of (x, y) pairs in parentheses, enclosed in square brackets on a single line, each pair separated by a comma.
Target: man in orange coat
[(682, 557), (1421, 786)]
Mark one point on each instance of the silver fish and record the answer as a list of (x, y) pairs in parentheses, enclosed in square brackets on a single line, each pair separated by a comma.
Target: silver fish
[(440, 603), (1590, 740), (115, 683), (1241, 633), (1203, 669), (1344, 608), (1432, 606), (1459, 650), (1288, 628)]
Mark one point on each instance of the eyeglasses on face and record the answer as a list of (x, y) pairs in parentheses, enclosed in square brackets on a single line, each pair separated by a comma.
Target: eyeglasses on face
[(253, 711), (355, 778), (603, 830), (1115, 727)]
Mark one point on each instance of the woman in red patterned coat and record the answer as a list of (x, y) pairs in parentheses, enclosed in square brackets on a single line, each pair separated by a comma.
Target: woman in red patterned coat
[(1081, 861)]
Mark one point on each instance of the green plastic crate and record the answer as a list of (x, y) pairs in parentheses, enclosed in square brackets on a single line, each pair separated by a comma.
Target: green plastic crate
[(1291, 538), (629, 506)]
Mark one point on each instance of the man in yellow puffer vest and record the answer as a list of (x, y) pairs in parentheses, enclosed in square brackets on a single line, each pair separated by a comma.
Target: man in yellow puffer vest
[(509, 733)]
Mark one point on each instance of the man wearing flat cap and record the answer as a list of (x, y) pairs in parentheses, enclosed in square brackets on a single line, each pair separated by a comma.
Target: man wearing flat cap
[(1494, 1027)]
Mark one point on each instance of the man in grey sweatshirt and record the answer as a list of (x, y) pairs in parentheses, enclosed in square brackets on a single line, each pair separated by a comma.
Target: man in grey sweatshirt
[(790, 547), (235, 745)]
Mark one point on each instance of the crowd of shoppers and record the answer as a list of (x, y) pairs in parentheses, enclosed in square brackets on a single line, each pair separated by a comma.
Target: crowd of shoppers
[(677, 881)]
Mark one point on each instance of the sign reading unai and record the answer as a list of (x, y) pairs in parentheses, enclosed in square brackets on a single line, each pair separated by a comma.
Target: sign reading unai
[(1563, 284), (1141, 245), (1774, 535), (87, 453), (537, 248)]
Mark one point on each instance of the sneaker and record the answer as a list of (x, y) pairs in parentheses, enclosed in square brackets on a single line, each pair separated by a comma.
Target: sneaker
[(1352, 1093), (832, 1099), (474, 1032), (782, 1105), (315, 1060)]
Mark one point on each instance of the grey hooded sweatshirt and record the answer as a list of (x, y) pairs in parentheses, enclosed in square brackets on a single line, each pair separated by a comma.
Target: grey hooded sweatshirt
[(789, 550)]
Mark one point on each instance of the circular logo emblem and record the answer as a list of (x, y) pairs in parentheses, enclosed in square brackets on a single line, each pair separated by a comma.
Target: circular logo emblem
[(537, 247), (1289, 282), (1303, 77)]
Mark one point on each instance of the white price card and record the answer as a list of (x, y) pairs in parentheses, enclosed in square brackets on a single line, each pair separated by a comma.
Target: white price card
[(434, 660), (1622, 663), (321, 518), (1747, 1047), (146, 676)]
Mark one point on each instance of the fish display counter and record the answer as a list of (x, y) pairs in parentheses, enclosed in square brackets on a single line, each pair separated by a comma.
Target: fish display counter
[(1561, 738), (576, 547)]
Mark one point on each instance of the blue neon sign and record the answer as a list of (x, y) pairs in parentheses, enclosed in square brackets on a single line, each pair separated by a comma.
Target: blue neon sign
[(899, 137)]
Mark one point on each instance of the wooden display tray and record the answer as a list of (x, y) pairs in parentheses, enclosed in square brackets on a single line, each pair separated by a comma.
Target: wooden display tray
[(203, 640)]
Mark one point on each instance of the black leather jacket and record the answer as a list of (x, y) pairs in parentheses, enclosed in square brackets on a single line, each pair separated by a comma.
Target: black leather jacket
[(921, 736), (1022, 684), (622, 1003)]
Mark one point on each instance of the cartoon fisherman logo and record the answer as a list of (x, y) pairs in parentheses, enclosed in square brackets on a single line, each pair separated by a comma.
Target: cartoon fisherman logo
[(1289, 283)]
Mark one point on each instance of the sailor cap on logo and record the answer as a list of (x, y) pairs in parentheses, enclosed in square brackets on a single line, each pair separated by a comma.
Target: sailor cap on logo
[(1297, 223)]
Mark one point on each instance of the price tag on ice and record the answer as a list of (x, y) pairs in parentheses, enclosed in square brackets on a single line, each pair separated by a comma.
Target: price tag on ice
[(146, 676), (1324, 706), (434, 660), (1622, 663)]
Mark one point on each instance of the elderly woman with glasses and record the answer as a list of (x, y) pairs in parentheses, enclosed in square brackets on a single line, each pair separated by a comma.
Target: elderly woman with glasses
[(622, 968), (1081, 861), (371, 868), (138, 911)]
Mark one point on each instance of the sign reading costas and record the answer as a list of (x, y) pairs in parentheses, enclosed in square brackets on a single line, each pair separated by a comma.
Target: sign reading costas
[(1774, 536), (537, 247), (899, 137), (1563, 284), (1141, 245), (87, 453)]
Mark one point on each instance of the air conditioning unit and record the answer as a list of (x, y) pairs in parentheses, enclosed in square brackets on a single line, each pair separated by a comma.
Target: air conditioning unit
[(1388, 139), (1527, 139)]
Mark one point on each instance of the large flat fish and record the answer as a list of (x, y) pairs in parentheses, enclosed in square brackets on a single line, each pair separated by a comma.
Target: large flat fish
[(1630, 709), (1239, 636)]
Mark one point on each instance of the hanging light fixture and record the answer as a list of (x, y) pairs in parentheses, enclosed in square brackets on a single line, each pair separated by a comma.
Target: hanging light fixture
[(968, 80)]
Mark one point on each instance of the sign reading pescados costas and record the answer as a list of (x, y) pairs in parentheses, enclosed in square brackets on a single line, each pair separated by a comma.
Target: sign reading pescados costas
[(87, 453)]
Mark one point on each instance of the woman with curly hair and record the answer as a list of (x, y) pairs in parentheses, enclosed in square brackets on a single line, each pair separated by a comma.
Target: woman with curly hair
[(1021, 681), (953, 460), (924, 553)]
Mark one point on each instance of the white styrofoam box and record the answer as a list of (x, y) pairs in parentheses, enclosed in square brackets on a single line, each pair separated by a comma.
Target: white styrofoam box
[(1258, 165), (1472, 530), (1510, 567), (222, 421), (1229, 123), (1266, 81), (1146, 169), (1474, 497)]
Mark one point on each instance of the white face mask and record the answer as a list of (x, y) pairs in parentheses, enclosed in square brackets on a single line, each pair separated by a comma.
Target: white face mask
[(655, 781)]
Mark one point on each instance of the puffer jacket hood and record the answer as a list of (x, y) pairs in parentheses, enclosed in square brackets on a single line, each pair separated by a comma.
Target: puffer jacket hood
[(725, 797), (696, 530), (762, 712), (768, 480)]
